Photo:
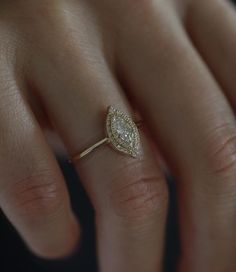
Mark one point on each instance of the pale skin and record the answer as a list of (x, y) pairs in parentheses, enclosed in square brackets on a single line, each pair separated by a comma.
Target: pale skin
[(61, 64)]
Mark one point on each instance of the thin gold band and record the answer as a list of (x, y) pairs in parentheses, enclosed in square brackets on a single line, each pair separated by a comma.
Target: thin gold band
[(96, 145), (89, 150)]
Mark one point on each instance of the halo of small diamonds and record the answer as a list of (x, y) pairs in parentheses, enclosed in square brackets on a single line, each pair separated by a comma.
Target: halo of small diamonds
[(122, 132)]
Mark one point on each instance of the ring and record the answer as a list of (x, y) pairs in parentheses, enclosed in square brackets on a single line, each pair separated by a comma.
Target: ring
[(121, 134)]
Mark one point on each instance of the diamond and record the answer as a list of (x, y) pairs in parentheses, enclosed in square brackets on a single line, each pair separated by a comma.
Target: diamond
[(122, 132)]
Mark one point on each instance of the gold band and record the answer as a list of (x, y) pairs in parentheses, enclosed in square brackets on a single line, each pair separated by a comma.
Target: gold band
[(89, 150), (115, 139)]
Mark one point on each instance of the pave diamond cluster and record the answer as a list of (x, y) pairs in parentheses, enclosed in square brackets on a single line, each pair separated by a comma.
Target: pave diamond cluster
[(122, 132)]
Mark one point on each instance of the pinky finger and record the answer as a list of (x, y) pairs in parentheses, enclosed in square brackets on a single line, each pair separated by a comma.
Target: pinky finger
[(33, 194)]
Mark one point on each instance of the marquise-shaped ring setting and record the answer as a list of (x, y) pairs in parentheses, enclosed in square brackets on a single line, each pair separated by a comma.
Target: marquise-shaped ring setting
[(122, 132)]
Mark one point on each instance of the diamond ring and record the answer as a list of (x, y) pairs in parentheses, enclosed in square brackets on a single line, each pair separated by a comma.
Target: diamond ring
[(121, 133)]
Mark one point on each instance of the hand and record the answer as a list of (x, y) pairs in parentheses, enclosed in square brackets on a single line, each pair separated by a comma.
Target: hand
[(61, 64)]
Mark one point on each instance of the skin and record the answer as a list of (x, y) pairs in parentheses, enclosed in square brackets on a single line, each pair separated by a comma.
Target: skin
[(62, 62)]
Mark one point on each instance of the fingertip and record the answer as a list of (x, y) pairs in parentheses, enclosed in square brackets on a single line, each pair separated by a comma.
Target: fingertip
[(61, 244)]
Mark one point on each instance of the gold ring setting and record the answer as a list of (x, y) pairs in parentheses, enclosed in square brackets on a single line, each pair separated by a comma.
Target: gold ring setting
[(121, 134)]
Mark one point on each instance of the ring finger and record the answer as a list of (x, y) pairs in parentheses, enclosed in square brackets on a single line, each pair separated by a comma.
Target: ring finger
[(129, 194)]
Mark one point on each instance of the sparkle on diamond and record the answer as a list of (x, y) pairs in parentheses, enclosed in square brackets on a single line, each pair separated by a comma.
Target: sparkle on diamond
[(124, 130)]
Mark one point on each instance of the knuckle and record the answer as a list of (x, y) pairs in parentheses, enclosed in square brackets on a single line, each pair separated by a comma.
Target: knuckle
[(143, 3), (37, 194), (38, 16), (221, 150), (140, 10), (138, 195)]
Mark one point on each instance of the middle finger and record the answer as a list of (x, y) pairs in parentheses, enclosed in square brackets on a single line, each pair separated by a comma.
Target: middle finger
[(195, 127)]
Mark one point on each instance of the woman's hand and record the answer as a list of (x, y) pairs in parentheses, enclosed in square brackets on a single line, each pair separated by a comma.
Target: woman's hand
[(62, 62)]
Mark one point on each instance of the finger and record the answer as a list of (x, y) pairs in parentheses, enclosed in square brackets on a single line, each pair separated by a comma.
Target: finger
[(211, 25), (129, 195), (194, 124), (33, 194)]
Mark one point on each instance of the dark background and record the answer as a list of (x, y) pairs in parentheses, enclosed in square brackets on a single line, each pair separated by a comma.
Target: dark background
[(14, 256)]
